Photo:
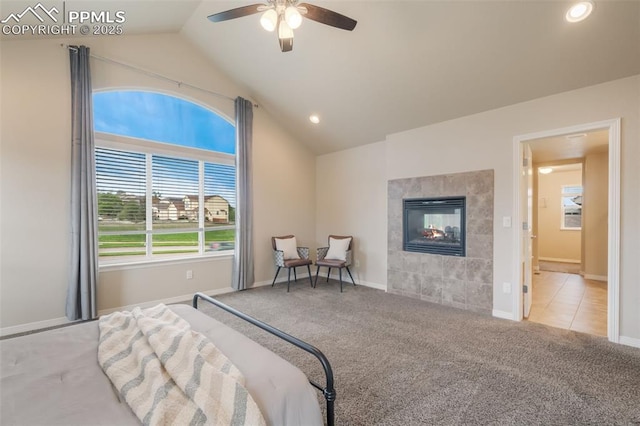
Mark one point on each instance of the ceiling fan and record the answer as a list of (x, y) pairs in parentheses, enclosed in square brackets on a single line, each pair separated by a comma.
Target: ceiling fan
[(286, 16)]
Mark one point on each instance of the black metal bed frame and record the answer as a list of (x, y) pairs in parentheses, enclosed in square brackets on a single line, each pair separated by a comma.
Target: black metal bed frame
[(328, 391)]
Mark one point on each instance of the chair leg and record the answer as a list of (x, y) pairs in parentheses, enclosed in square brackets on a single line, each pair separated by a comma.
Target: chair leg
[(340, 274), (310, 279), (328, 273), (295, 276), (274, 278), (288, 280), (354, 283), (316, 283)]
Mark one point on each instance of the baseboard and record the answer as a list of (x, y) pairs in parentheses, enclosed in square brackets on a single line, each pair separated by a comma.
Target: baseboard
[(39, 325), (595, 277), (502, 314), (377, 286), (31, 326), (554, 259), (281, 279), (629, 341), (264, 283), (347, 280)]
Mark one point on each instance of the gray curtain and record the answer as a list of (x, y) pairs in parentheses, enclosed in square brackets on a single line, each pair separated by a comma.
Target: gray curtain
[(243, 259), (81, 293)]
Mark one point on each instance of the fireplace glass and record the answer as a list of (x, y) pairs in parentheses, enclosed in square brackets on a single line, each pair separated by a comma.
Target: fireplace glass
[(434, 225)]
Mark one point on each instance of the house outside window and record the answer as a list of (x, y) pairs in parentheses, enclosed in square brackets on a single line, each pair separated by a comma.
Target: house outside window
[(165, 167), (571, 213)]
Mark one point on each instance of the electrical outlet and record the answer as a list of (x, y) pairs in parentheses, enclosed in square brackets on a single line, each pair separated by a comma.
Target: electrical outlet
[(506, 288), (189, 274)]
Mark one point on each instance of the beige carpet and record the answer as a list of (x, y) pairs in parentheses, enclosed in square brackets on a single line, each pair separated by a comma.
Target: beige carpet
[(400, 361)]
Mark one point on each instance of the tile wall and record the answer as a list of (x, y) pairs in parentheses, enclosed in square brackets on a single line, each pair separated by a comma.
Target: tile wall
[(462, 282)]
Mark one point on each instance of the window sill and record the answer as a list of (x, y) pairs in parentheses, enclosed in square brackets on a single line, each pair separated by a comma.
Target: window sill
[(151, 263)]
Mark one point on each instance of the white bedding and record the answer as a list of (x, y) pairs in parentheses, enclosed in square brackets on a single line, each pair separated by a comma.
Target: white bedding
[(171, 374), (53, 378)]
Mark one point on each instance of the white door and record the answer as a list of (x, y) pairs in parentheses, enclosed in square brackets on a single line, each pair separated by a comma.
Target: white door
[(526, 188)]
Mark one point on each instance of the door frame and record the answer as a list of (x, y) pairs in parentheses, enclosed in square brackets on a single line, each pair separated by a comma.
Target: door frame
[(613, 260), (526, 244)]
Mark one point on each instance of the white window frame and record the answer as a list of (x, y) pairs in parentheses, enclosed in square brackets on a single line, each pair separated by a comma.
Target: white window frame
[(149, 148), (564, 194)]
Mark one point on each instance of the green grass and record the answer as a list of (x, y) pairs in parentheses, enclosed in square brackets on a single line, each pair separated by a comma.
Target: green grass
[(123, 253), (179, 239), (120, 244), (114, 227), (127, 238), (174, 251), (220, 235), (137, 253)]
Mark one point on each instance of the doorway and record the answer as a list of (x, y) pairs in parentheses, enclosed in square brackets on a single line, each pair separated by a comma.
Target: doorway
[(586, 301)]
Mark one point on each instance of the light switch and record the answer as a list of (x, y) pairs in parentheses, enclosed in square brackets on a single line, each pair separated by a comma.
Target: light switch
[(506, 221)]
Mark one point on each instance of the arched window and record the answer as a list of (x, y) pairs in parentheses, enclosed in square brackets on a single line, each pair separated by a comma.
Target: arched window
[(159, 160)]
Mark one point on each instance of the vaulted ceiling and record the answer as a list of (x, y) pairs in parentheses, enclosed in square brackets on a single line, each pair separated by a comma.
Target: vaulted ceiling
[(412, 63), (407, 64)]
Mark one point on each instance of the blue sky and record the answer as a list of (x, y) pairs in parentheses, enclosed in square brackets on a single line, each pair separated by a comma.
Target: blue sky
[(163, 118)]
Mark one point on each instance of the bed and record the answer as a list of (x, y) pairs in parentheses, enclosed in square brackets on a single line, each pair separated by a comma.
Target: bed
[(53, 377)]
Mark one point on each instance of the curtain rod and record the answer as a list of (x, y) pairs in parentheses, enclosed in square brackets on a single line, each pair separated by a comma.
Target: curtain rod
[(154, 74)]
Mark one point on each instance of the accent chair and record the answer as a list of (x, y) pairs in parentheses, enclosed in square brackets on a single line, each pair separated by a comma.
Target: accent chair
[(337, 255), (287, 254)]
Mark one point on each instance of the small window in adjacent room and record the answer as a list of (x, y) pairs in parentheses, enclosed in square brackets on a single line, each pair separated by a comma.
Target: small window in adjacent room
[(165, 177), (571, 207)]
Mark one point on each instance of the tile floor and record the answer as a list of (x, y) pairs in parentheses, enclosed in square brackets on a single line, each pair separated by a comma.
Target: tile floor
[(569, 301)]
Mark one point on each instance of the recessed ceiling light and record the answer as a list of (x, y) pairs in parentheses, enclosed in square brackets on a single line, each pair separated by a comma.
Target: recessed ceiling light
[(579, 11), (314, 119), (545, 170)]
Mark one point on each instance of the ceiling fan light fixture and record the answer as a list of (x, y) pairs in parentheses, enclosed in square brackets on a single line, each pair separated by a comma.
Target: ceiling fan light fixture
[(269, 20), (314, 118), (293, 17), (579, 11), (284, 30), (285, 16)]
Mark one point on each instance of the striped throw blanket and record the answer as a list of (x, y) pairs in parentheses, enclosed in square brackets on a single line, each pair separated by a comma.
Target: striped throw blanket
[(170, 374)]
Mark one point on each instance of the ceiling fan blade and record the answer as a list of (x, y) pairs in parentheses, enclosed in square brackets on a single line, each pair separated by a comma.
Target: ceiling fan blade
[(328, 17), (238, 12)]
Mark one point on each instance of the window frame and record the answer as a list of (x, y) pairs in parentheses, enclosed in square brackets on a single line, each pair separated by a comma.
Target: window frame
[(564, 194), (150, 148)]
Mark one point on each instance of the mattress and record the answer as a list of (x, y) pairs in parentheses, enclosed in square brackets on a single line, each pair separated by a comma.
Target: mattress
[(53, 378)]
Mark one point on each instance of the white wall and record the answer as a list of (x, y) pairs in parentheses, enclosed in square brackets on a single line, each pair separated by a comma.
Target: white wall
[(35, 178), (346, 205), (485, 141)]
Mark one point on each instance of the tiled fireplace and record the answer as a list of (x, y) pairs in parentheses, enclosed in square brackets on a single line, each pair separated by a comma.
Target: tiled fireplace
[(461, 280)]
